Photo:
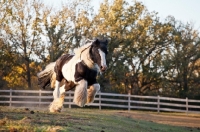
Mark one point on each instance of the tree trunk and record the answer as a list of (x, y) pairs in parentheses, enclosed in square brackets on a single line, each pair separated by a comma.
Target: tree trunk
[(27, 62), (28, 74), (185, 83)]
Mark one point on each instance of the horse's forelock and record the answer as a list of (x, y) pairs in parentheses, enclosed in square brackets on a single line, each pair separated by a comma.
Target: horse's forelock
[(103, 46)]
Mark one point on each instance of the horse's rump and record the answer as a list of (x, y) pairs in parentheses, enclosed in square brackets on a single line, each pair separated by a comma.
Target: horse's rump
[(52, 72)]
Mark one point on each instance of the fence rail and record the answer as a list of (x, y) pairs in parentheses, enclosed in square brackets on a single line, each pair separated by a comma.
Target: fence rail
[(37, 98)]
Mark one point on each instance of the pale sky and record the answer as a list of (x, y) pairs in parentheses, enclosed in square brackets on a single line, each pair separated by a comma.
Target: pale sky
[(183, 10)]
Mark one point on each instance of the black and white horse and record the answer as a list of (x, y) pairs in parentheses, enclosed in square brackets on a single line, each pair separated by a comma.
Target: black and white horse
[(79, 71)]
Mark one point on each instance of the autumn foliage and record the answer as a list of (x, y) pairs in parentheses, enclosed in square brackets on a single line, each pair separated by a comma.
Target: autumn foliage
[(147, 56)]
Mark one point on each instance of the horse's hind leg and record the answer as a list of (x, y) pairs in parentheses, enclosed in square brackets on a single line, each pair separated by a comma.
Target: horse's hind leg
[(80, 94), (57, 104), (56, 92), (59, 76), (91, 92)]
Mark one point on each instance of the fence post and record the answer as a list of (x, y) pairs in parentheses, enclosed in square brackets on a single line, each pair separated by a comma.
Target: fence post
[(186, 105), (129, 101), (10, 98), (69, 99), (158, 104), (40, 94), (99, 100)]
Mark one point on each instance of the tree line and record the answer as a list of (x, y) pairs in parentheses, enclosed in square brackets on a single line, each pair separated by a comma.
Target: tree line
[(147, 56)]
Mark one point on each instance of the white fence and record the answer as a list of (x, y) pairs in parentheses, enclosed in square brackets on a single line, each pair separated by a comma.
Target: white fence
[(39, 98)]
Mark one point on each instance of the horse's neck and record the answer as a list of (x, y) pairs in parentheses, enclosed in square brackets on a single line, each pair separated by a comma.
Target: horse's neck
[(88, 61)]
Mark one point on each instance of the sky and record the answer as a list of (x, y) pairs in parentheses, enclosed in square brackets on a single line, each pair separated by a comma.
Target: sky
[(183, 10)]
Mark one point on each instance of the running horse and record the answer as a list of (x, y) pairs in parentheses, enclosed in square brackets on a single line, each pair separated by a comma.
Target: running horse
[(77, 71)]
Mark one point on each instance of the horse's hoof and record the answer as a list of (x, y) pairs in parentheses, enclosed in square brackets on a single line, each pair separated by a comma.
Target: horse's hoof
[(55, 110), (57, 104), (80, 103), (58, 109)]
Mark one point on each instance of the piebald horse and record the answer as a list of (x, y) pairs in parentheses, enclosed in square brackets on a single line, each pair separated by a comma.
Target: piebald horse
[(77, 71)]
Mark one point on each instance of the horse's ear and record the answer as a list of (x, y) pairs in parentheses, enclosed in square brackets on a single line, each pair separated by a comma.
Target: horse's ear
[(106, 42), (96, 42)]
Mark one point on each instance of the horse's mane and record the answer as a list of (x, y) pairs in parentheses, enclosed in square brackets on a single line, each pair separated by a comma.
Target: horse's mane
[(78, 51)]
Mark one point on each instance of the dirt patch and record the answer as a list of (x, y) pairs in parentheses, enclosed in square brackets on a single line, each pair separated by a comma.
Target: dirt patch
[(176, 119)]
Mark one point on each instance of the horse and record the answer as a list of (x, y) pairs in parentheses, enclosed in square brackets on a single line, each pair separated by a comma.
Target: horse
[(77, 71)]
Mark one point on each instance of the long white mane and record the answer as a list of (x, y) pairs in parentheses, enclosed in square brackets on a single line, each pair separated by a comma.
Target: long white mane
[(78, 51)]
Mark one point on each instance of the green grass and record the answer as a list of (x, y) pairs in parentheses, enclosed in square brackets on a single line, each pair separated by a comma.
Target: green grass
[(78, 120)]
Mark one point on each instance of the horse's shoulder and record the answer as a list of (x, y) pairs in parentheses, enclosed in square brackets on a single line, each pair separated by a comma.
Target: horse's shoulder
[(82, 71)]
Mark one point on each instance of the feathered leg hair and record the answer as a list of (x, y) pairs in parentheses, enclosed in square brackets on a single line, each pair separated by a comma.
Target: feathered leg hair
[(80, 94), (91, 92), (57, 104)]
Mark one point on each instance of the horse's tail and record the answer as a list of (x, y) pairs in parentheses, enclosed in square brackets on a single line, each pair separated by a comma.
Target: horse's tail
[(47, 76)]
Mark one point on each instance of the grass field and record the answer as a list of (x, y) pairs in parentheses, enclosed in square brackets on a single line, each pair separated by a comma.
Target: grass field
[(80, 120)]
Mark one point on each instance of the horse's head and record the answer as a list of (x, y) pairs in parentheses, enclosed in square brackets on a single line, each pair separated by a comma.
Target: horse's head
[(98, 52)]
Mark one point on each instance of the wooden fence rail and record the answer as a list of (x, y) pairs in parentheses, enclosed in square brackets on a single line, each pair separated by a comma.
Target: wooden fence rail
[(38, 98)]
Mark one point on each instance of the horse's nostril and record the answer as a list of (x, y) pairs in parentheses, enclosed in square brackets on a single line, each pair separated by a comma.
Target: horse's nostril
[(103, 68)]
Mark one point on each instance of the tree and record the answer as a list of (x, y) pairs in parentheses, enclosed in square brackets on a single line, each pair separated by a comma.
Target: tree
[(64, 28), (137, 40), (56, 33), (22, 32), (182, 59), (7, 58)]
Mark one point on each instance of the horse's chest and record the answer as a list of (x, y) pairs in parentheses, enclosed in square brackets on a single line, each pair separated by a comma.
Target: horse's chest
[(83, 72), (76, 71)]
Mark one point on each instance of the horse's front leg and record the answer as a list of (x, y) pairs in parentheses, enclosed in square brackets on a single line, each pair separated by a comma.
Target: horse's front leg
[(91, 92), (80, 94)]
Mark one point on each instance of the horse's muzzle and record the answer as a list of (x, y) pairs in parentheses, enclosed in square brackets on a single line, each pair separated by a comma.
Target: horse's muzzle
[(103, 68)]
